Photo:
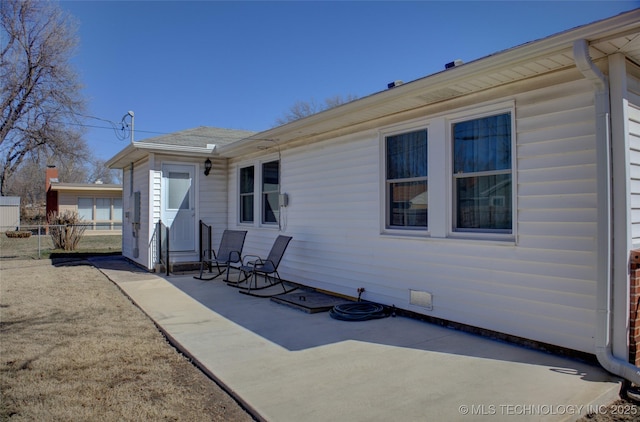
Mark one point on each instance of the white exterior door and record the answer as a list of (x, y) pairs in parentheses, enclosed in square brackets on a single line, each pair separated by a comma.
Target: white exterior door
[(178, 206)]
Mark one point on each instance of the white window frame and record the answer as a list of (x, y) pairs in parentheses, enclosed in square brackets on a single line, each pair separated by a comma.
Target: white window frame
[(440, 189), (385, 226), (264, 193), (464, 116), (258, 194), (114, 222)]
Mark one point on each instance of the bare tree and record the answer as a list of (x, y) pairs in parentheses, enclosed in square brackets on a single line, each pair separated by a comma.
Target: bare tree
[(39, 93), (302, 109), (101, 173), (28, 183)]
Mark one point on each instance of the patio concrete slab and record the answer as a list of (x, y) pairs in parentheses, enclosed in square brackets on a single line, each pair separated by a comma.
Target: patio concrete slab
[(287, 365)]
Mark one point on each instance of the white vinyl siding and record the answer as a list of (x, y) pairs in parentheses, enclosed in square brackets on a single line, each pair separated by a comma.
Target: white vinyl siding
[(141, 183), (540, 285), (211, 201), (212, 198)]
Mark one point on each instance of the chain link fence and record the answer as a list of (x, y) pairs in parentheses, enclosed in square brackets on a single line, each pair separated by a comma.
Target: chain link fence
[(35, 242)]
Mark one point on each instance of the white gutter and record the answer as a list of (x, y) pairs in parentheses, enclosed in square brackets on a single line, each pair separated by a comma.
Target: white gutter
[(124, 157), (182, 149), (604, 328)]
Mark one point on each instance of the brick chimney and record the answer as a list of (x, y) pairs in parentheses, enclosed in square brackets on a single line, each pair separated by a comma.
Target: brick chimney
[(52, 196)]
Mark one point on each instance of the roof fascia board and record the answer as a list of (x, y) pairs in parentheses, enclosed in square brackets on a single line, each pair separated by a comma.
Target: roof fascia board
[(149, 148), (113, 161), (91, 187), (180, 149)]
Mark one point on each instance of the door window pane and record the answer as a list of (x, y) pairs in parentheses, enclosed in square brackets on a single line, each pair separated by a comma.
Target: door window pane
[(178, 190)]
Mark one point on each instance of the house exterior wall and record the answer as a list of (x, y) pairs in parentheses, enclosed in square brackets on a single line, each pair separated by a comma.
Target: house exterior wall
[(212, 201), (539, 284), (135, 235), (68, 201), (211, 195)]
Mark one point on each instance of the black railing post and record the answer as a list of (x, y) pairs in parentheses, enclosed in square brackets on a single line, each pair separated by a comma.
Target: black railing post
[(159, 242), (205, 242), (200, 240), (168, 260)]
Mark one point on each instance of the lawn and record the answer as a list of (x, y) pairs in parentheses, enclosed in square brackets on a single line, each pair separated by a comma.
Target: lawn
[(41, 247), (74, 348)]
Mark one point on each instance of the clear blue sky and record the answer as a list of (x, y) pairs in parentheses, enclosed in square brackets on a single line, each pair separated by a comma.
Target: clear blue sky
[(241, 64)]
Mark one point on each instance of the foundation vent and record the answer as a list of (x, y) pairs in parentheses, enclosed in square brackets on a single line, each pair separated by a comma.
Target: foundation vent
[(422, 299)]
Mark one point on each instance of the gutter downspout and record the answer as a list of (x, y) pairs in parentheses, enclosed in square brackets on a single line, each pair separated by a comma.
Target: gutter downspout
[(604, 328)]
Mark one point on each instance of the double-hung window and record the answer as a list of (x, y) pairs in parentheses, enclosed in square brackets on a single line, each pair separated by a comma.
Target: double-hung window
[(270, 192), (259, 193), (482, 175), (406, 180), (246, 194)]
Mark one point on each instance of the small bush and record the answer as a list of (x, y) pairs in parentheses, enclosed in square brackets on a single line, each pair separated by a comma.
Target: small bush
[(18, 234), (66, 230)]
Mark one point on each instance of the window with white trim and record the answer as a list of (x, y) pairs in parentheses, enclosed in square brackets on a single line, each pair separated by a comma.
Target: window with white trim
[(247, 180), (260, 193), (270, 192), (406, 180), (482, 175), (100, 213)]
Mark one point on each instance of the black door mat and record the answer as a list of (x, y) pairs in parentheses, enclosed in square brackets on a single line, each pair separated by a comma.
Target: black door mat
[(309, 301)]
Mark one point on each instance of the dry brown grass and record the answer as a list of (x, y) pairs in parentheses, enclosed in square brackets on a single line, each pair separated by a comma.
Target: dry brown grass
[(40, 247), (74, 348)]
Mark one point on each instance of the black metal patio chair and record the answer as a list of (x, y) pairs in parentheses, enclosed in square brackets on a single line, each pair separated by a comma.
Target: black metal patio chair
[(229, 252), (254, 266)]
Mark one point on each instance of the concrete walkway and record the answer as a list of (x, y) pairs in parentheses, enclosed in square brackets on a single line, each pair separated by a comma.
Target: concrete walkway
[(287, 365)]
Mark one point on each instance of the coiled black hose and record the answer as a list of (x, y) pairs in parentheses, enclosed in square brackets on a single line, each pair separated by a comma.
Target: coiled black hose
[(359, 311)]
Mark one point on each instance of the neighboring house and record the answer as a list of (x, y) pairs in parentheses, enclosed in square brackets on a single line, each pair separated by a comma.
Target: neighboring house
[(485, 194), (98, 205)]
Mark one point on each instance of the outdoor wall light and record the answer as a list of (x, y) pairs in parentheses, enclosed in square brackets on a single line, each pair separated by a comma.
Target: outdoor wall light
[(207, 167)]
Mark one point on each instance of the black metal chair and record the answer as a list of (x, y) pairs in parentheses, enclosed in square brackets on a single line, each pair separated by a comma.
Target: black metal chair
[(254, 266), (229, 252)]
